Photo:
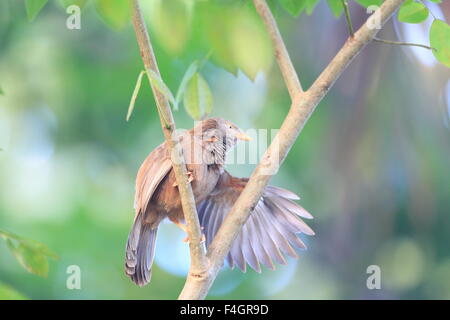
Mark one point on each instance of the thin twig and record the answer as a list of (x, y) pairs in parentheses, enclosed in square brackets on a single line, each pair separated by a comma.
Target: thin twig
[(348, 18), (198, 258), (399, 43), (302, 107), (284, 61)]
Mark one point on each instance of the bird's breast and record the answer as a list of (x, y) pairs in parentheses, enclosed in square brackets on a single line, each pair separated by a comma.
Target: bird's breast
[(205, 180)]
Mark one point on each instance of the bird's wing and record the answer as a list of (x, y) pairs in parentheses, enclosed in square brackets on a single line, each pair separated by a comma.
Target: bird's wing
[(152, 171), (270, 232)]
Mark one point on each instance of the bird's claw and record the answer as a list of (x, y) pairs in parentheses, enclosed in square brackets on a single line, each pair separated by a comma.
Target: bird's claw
[(186, 239), (190, 178)]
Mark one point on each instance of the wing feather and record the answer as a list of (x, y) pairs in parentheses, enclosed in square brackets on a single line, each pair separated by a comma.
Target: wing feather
[(152, 171), (271, 231)]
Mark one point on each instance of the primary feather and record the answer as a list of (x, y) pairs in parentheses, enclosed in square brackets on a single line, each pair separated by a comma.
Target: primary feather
[(271, 231)]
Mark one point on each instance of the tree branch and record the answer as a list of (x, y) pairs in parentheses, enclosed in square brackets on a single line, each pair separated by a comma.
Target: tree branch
[(302, 107), (198, 259), (284, 61)]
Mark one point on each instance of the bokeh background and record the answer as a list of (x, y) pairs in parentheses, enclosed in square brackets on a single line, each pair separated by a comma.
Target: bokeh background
[(372, 164)]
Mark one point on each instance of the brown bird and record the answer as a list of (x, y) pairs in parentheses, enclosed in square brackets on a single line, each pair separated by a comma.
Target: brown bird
[(271, 230)]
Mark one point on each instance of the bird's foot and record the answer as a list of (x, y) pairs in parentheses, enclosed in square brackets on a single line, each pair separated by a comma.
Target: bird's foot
[(184, 228), (179, 224), (201, 241), (190, 178)]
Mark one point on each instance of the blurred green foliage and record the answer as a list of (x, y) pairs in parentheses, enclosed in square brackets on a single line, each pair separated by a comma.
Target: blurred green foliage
[(412, 12), (32, 255), (232, 27), (439, 39), (371, 164), (8, 293)]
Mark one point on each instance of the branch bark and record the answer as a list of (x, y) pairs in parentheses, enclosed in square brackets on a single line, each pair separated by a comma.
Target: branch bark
[(199, 264), (303, 104), (281, 54)]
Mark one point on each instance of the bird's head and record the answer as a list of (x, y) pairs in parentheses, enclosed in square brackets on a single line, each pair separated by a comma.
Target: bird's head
[(219, 136), (218, 130)]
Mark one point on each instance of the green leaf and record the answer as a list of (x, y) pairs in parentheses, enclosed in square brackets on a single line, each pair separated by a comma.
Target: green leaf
[(170, 22), (135, 94), (39, 247), (436, 1), (198, 100), (115, 13), (159, 84), (216, 20), (6, 235), (412, 12), (32, 255), (9, 293), (33, 7), (440, 40), (251, 48), (237, 37), (294, 7), (368, 3), (33, 261), (190, 72), (336, 7), (310, 5)]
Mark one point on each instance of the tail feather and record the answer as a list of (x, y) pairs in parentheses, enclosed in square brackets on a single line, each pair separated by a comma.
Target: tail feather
[(140, 252)]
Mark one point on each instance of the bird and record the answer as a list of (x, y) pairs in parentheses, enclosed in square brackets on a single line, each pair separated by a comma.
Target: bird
[(271, 231)]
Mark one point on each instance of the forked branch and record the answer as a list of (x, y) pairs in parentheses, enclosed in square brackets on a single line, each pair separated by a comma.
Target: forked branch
[(303, 104), (204, 269)]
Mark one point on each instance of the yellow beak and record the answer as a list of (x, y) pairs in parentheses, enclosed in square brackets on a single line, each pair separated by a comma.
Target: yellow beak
[(243, 136)]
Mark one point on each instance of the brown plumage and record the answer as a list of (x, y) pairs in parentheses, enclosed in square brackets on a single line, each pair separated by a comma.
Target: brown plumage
[(271, 230)]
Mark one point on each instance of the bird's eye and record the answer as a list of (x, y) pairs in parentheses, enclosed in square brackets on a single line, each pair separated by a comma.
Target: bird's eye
[(230, 127)]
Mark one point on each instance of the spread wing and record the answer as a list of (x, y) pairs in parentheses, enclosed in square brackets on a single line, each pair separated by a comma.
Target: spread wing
[(270, 232), (152, 171)]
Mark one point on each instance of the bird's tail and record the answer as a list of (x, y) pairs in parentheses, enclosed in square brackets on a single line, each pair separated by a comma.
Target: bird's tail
[(140, 251)]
